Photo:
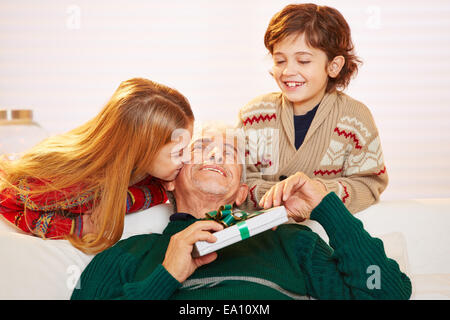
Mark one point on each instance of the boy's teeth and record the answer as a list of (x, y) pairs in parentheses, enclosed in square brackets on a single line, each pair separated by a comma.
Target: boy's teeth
[(294, 84)]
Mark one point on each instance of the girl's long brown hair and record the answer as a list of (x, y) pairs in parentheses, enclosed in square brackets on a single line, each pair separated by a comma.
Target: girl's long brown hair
[(105, 154)]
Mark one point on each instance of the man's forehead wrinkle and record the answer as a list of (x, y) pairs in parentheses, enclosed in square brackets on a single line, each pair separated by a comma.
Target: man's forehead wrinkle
[(225, 142)]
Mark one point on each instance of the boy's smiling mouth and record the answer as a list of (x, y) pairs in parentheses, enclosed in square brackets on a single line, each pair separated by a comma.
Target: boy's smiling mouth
[(293, 84)]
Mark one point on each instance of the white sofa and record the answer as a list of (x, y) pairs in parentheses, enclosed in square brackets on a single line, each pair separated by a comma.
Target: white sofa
[(415, 234)]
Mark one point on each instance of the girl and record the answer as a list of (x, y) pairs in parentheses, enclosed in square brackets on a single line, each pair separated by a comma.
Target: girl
[(311, 128), (80, 184)]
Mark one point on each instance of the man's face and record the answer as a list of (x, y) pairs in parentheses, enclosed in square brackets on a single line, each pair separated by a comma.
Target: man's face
[(214, 168)]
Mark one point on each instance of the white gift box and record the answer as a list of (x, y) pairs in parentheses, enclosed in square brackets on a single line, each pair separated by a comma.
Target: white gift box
[(247, 228)]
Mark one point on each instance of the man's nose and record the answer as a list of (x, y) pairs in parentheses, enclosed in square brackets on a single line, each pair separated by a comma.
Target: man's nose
[(215, 155)]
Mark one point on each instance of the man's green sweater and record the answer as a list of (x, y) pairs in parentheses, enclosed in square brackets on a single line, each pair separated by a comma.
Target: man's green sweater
[(291, 262)]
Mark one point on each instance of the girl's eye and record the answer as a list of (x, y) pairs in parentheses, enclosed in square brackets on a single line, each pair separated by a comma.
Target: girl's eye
[(177, 154), (304, 62), (279, 62)]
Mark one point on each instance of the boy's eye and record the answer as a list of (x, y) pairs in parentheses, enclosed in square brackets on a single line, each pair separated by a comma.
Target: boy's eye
[(304, 62), (279, 62)]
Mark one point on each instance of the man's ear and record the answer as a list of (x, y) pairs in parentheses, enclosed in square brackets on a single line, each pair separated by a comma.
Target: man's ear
[(241, 194), (335, 66), (168, 185)]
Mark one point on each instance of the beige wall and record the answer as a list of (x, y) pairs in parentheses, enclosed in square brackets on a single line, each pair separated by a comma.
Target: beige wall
[(64, 59)]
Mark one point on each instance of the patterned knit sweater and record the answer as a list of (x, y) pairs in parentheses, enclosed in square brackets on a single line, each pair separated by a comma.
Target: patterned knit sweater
[(53, 215), (290, 263), (341, 149)]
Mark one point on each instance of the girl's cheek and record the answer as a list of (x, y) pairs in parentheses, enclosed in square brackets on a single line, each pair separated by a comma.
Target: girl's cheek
[(173, 160), (177, 164)]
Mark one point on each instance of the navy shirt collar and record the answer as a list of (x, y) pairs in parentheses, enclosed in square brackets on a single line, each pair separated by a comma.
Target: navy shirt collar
[(309, 115), (181, 216)]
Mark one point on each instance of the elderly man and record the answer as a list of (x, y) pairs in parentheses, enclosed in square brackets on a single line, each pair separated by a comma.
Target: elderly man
[(290, 262)]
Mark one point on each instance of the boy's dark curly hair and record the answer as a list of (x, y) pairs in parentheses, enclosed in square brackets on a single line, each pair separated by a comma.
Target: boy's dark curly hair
[(324, 28)]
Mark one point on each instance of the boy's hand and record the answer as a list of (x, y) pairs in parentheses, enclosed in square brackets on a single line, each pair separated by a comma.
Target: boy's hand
[(298, 193)]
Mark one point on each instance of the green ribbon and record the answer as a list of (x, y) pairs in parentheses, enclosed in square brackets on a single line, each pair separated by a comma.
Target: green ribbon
[(243, 230), (228, 217)]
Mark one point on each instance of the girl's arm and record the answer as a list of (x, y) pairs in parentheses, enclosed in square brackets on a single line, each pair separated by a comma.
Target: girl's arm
[(44, 215), (48, 225), (145, 194)]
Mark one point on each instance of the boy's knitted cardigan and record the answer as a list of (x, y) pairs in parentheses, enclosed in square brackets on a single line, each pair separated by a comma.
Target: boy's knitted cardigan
[(341, 149)]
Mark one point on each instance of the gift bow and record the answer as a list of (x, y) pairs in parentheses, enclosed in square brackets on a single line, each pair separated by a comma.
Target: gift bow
[(226, 216)]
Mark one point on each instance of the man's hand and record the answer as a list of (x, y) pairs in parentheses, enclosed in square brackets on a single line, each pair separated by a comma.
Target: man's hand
[(298, 193), (178, 260)]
